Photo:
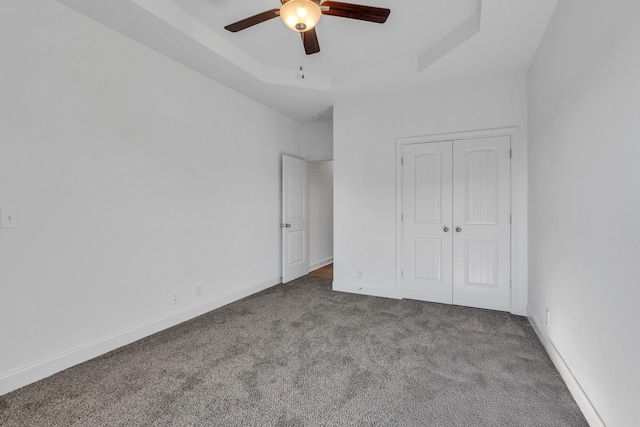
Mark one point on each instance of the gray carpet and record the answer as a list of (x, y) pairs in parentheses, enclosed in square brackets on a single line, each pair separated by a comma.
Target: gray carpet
[(302, 355)]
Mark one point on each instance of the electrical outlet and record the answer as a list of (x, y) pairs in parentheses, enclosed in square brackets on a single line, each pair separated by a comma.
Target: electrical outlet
[(199, 291), (359, 274), (175, 298), (547, 316)]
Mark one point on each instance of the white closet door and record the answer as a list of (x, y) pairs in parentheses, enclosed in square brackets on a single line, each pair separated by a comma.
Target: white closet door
[(482, 223), (456, 230), (295, 219), (427, 234)]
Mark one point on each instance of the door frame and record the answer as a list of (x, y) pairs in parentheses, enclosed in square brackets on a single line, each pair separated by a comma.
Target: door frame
[(518, 207)]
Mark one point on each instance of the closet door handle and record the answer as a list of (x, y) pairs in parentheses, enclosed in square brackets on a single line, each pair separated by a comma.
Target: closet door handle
[(458, 229), (446, 229)]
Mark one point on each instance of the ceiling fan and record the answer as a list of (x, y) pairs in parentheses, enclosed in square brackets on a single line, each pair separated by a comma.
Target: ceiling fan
[(303, 15)]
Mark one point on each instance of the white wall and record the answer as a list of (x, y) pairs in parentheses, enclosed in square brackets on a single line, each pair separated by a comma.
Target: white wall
[(584, 122), (134, 177), (365, 132), (317, 140), (320, 214)]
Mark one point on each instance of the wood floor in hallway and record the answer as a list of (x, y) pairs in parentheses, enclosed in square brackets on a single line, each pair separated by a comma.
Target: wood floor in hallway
[(326, 272)]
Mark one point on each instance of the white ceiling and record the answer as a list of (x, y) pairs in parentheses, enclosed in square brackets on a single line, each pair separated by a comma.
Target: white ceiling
[(422, 42)]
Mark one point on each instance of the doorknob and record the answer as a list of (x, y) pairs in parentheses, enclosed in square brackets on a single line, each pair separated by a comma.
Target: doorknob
[(458, 229), (446, 229), (285, 225)]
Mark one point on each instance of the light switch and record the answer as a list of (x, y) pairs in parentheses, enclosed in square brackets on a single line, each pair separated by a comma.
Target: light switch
[(8, 218)]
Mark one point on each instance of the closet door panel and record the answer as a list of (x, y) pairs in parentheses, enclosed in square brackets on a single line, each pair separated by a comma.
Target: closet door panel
[(427, 201), (482, 223)]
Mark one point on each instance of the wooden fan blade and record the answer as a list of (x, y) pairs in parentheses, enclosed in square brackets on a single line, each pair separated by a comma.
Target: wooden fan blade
[(310, 41), (355, 11), (252, 20)]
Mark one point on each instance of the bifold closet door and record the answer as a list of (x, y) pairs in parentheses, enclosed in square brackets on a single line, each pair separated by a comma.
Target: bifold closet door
[(456, 227)]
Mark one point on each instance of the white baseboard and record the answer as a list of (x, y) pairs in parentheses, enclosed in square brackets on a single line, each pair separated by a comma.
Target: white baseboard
[(321, 264), (33, 372), (364, 290), (581, 398)]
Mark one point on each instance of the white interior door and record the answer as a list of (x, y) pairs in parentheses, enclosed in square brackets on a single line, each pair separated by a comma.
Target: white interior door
[(427, 214), (456, 208), (295, 219), (482, 223)]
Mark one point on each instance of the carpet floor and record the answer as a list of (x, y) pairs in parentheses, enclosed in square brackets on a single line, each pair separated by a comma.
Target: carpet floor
[(302, 355)]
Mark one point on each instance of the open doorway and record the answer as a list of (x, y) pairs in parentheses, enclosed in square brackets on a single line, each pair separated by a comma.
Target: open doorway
[(321, 218)]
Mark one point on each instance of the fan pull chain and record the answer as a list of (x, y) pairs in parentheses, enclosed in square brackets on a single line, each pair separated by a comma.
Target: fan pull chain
[(302, 54)]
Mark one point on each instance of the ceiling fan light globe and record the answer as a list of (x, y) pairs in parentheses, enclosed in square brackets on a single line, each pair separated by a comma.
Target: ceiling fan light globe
[(300, 15)]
